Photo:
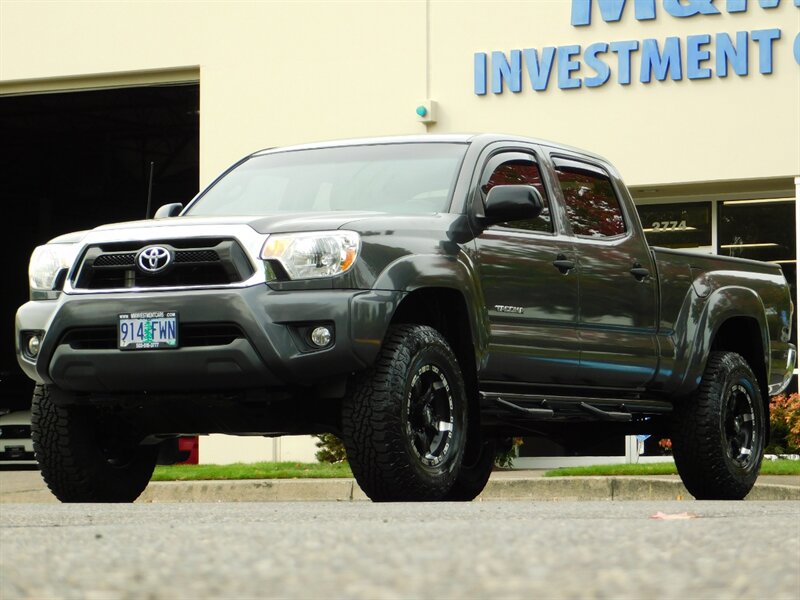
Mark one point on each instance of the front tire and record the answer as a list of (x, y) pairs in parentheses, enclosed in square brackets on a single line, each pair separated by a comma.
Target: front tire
[(476, 468), (718, 435), (84, 457), (404, 424)]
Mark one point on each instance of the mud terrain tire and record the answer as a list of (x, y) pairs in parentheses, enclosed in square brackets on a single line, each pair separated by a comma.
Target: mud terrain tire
[(718, 435), (77, 462)]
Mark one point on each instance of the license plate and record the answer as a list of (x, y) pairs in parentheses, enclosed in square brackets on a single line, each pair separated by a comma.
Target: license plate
[(148, 330)]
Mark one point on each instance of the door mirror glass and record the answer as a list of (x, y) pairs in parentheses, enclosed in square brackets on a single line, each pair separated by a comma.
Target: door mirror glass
[(512, 203)]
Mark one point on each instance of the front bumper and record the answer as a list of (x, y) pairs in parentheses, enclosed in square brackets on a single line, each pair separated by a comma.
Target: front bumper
[(268, 354)]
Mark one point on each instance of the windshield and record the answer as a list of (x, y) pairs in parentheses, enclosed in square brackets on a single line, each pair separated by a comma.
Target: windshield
[(395, 178)]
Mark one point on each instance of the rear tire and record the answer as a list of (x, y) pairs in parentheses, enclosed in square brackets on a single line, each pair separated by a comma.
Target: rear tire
[(718, 435), (404, 424), (79, 461)]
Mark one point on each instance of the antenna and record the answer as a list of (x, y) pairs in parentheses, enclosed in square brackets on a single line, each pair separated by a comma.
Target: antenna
[(149, 191)]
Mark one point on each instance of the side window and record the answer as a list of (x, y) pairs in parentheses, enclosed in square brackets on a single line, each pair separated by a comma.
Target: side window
[(592, 206), (520, 171)]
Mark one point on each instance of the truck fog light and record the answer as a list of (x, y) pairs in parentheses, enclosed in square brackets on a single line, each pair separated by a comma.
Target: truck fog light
[(34, 342), (321, 336)]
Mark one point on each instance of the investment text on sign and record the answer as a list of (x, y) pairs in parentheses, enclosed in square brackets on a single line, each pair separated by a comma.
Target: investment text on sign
[(674, 57)]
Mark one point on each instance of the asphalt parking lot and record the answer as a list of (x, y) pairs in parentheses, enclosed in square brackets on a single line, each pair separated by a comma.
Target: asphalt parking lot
[(490, 549)]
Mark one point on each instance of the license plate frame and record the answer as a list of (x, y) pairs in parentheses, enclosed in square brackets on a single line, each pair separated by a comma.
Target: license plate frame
[(148, 330)]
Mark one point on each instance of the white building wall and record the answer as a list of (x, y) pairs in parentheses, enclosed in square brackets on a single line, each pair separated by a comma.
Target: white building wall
[(225, 449), (274, 73)]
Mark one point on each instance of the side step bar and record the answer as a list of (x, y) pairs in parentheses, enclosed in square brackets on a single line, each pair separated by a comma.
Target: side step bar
[(540, 406), (606, 415), (542, 413)]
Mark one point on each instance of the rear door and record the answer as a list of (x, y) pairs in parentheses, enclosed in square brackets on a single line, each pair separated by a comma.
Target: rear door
[(618, 287), (532, 303)]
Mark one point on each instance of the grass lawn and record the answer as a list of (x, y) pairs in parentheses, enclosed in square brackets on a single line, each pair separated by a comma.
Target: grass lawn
[(260, 470), (768, 467), (293, 470)]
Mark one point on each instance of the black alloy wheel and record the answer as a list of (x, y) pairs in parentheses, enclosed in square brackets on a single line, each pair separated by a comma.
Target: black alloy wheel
[(429, 406), (740, 426)]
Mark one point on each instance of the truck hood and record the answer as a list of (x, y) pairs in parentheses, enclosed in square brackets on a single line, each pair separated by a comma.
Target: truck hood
[(280, 223), (283, 223)]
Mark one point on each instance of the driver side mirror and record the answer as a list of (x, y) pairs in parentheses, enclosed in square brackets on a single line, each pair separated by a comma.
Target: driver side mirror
[(512, 203), (168, 210)]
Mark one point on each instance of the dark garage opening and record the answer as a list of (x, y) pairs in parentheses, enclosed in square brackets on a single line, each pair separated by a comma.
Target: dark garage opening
[(75, 160)]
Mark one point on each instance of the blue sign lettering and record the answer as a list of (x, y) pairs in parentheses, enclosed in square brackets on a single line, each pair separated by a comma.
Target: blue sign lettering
[(611, 10), (659, 63), (693, 7), (602, 69), (502, 70), (645, 10), (765, 37), (797, 46), (539, 72), (623, 51), (728, 53), (566, 66), (696, 54), (480, 73), (658, 59)]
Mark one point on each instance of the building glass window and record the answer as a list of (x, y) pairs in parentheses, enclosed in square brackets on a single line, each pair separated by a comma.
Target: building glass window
[(761, 230), (521, 172), (592, 206), (684, 225)]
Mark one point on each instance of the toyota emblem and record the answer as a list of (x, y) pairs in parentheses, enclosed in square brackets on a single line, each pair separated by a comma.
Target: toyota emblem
[(154, 259)]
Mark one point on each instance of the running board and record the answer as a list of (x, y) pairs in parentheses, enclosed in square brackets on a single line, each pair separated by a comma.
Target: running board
[(540, 406)]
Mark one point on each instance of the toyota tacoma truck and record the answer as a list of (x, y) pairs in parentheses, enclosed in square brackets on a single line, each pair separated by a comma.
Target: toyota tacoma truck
[(424, 298)]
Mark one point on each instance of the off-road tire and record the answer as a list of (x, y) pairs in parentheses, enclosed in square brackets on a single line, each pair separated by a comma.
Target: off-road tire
[(66, 441), (379, 418), (718, 434), (476, 467)]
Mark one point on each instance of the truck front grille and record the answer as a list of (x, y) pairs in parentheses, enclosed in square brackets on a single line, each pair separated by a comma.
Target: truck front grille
[(195, 263)]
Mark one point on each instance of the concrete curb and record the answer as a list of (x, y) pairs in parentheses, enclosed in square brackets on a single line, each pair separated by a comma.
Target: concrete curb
[(535, 489), (346, 490)]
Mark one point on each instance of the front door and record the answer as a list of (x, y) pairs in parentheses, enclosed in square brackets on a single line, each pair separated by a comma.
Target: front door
[(532, 303)]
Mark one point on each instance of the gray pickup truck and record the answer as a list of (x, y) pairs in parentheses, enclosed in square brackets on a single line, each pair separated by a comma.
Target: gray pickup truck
[(425, 298)]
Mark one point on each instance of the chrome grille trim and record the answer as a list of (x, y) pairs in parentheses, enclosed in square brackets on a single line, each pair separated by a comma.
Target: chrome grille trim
[(248, 239)]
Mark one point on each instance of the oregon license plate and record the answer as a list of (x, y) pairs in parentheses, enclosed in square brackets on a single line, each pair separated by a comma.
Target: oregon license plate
[(148, 330)]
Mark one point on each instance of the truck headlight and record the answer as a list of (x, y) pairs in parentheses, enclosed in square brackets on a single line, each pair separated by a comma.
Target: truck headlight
[(313, 254), (46, 263)]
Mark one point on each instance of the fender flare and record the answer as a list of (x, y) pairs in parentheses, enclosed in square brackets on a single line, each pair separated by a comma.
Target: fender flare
[(723, 304), (414, 272)]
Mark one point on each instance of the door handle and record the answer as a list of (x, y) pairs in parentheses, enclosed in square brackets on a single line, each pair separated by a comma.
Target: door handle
[(563, 264), (639, 272)]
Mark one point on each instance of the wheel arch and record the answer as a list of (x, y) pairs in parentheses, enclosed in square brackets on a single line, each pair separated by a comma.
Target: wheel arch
[(444, 309), (443, 291), (733, 319), (743, 335)]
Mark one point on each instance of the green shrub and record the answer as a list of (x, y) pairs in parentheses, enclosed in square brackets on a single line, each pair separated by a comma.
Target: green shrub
[(331, 449), (784, 421), (507, 452)]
